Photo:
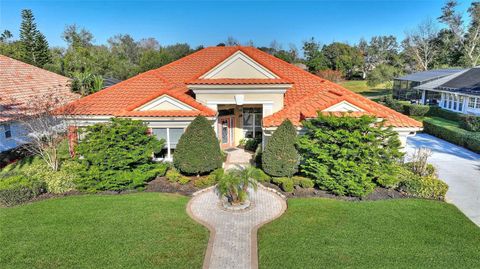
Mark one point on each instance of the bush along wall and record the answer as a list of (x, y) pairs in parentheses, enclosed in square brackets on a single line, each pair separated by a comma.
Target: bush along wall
[(453, 134), (415, 110), (436, 111), (470, 123)]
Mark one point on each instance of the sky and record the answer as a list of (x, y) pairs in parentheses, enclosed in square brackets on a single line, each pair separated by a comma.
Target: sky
[(211, 22)]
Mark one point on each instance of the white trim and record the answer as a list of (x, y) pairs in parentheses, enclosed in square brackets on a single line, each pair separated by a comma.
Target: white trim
[(239, 91), (232, 102), (343, 106), (247, 87), (235, 57), (164, 98)]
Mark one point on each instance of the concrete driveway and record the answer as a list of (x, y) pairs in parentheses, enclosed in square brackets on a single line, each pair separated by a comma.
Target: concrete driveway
[(458, 167)]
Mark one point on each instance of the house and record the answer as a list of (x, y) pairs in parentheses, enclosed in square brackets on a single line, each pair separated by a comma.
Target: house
[(459, 92), (20, 85), (404, 88), (246, 93)]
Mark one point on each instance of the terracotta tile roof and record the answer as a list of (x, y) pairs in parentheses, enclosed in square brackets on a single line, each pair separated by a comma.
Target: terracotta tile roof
[(308, 94), (21, 83), (236, 81)]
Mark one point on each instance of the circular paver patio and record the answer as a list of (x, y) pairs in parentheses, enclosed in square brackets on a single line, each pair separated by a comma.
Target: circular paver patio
[(233, 235)]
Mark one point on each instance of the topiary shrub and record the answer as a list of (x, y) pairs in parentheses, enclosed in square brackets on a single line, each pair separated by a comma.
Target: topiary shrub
[(198, 150), (303, 182), (470, 123), (285, 183), (18, 188), (280, 157), (345, 155)]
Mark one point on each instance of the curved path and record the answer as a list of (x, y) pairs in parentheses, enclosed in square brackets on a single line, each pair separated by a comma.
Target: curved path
[(233, 235)]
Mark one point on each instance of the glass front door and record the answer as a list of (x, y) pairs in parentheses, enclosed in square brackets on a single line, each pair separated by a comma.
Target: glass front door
[(226, 131)]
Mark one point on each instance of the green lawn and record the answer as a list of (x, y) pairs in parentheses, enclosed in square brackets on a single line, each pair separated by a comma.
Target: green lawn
[(324, 233), (361, 87), (144, 230)]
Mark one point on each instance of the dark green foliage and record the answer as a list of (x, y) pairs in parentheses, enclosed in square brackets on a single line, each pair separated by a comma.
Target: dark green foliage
[(452, 133), (251, 144), (198, 150), (280, 157), (393, 104), (436, 111), (117, 156), (415, 110), (34, 45), (345, 155), (383, 73), (470, 123), (18, 188)]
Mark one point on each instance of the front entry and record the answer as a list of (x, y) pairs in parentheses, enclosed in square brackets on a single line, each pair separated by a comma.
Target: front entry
[(226, 127)]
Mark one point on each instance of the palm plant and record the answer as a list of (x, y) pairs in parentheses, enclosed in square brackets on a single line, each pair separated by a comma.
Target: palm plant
[(234, 184)]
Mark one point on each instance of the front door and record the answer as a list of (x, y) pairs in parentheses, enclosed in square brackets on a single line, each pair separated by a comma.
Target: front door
[(226, 126)]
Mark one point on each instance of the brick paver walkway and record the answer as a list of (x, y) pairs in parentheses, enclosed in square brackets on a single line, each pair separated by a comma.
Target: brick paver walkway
[(238, 159), (233, 235)]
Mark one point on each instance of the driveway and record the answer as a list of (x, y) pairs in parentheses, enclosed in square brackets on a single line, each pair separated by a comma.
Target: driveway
[(458, 167)]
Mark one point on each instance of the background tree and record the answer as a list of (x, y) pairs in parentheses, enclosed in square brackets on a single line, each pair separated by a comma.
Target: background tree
[(343, 57), (420, 46), (314, 58), (280, 157), (467, 37), (198, 150), (383, 73), (34, 45), (380, 50)]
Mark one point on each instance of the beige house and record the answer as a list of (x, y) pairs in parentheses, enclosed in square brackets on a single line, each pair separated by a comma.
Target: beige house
[(245, 92)]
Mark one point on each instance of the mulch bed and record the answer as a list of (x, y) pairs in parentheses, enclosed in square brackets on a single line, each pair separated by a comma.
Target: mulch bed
[(378, 194), (161, 184)]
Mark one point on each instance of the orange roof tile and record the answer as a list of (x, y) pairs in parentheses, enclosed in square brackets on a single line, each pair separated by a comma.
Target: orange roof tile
[(308, 94), (21, 83)]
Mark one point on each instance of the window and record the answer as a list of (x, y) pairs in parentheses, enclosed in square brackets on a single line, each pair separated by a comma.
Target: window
[(7, 130), (252, 122), (171, 136), (474, 102)]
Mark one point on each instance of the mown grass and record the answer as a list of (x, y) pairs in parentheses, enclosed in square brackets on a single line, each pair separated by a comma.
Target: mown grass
[(361, 87), (144, 230), (408, 233)]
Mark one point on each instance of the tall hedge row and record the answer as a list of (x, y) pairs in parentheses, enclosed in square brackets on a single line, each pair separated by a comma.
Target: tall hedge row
[(453, 134)]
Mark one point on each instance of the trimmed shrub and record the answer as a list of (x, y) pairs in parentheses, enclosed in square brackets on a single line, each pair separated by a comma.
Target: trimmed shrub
[(424, 187), (436, 111), (17, 189), (470, 123), (416, 110), (303, 182), (173, 175), (346, 155), (280, 157), (198, 150), (393, 104), (285, 183), (453, 134)]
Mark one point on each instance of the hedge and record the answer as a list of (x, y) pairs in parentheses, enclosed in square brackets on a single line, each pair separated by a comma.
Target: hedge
[(450, 132), (18, 189), (436, 111), (470, 123), (415, 110)]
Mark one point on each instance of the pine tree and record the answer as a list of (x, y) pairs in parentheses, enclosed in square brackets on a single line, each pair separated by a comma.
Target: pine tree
[(198, 150), (33, 43), (280, 158)]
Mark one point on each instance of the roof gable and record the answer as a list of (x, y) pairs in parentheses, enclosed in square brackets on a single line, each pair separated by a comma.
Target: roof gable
[(239, 66), (164, 102), (343, 106)]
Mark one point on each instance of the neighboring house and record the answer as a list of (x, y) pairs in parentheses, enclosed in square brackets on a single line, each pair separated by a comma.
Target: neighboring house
[(245, 92), (404, 88), (20, 84), (459, 92)]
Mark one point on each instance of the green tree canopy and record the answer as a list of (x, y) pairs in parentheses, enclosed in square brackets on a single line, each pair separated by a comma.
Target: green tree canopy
[(34, 45)]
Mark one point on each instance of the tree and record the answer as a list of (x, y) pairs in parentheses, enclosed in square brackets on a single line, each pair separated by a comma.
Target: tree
[(152, 59), (43, 125), (76, 37), (342, 57), (231, 41), (34, 44), (280, 157), (347, 155), (198, 150), (383, 73), (419, 44), (380, 50), (314, 58), (466, 37), (5, 36)]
